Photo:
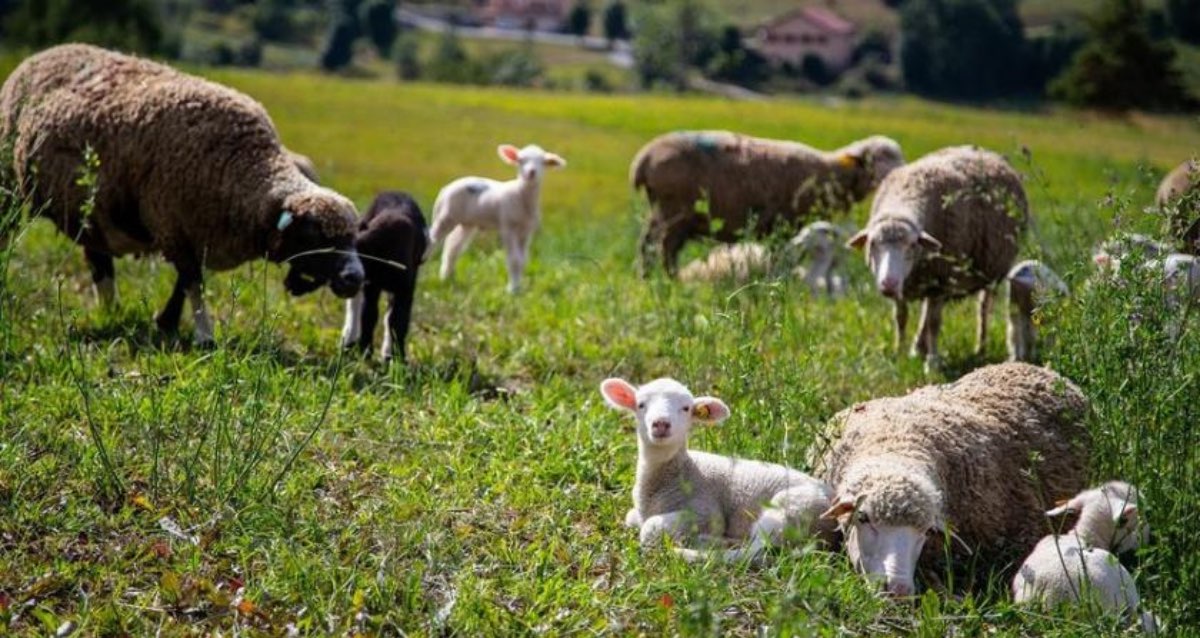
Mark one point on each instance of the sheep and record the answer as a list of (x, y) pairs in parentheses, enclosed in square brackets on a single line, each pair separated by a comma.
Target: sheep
[(392, 241), (304, 164), (726, 185), (974, 460), (1109, 255), (941, 228), (688, 495), (1064, 567), (468, 204), (1030, 283), (816, 243), (1178, 196), (183, 167)]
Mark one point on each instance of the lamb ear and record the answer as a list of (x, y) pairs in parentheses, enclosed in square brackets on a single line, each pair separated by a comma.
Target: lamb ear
[(929, 242), (838, 509), (555, 161), (1067, 506), (1129, 512), (285, 219), (508, 154), (709, 410), (619, 393), (859, 239)]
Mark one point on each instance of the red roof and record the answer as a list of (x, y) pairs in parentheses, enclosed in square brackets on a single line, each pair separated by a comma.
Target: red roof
[(819, 17)]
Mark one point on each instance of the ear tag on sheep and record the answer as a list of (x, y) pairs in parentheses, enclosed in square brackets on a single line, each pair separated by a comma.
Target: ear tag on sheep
[(285, 220), (846, 160)]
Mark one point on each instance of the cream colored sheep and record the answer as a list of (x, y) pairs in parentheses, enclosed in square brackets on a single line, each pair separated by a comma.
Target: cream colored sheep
[(1030, 284)]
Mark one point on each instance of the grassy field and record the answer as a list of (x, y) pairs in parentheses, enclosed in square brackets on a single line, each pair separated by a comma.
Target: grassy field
[(480, 489)]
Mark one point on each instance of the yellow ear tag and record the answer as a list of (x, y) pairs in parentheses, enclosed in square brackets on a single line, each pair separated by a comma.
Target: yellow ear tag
[(701, 411), (847, 161)]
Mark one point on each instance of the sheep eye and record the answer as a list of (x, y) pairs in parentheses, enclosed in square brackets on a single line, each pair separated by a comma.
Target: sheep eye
[(685, 408), (642, 405)]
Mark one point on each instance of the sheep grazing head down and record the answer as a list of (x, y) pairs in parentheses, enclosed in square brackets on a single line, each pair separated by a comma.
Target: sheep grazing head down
[(531, 161), (875, 157), (892, 246), (886, 515), (314, 235), (665, 411)]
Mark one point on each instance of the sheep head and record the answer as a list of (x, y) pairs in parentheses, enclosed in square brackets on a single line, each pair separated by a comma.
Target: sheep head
[(1108, 517), (531, 161), (314, 233), (665, 411), (892, 246)]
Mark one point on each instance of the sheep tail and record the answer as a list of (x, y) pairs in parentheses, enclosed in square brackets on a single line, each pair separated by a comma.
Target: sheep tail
[(638, 169)]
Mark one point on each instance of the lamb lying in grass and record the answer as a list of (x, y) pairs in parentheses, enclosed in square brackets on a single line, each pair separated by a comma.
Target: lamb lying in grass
[(690, 496), (1079, 565), (817, 248)]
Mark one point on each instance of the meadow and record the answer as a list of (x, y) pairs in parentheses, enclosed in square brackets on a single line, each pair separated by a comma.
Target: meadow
[(275, 483)]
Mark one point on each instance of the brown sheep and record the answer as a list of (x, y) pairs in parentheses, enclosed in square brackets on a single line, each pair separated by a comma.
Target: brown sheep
[(941, 228), (725, 185), (980, 459), (186, 168), (1181, 187)]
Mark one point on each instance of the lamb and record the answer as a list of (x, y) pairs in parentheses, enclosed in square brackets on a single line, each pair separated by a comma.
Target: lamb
[(688, 495), (470, 203), (184, 167), (816, 243), (726, 185), (1109, 255), (1179, 196), (941, 228), (973, 460), (1079, 565), (1030, 283), (392, 241)]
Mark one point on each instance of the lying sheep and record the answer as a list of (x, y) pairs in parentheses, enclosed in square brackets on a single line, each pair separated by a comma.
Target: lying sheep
[(688, 495), (726, 185), (941, 228), (1180, 190), (817, 245), (186, 168), (470, 203), (974, 460), (1079, 565), (392, 241), (1030, 283)]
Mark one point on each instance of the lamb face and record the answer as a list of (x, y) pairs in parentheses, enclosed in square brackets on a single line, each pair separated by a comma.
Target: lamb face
[(531, 161), (892, 246), (1108, 517), (665, 411)]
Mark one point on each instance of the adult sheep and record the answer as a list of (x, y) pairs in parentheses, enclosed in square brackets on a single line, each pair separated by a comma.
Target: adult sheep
[(186, 168), (941, 228), (725, 185), (978, 459), (1181, 189)]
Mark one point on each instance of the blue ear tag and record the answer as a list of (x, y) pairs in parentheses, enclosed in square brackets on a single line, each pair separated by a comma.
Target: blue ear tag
[(285, 219)]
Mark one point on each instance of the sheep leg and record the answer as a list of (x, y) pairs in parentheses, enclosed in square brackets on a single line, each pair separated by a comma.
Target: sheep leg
[(201, 322), (987, 298), (456, 243), (352, 327), (370, 317), (514, 246), (168, 319), (399, 317), (103, 277), (672, 242), (900, 317), (633, 518), (931, 327), (646, 246)]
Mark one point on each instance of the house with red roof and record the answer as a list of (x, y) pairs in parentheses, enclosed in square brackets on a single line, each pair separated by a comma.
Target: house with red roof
[(811, 30)]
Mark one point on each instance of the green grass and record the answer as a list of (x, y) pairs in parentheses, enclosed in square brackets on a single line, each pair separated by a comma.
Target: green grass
[(480, 490)]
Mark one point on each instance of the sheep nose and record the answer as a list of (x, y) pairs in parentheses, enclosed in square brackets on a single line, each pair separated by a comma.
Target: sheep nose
[(660, 428), (889, 287)]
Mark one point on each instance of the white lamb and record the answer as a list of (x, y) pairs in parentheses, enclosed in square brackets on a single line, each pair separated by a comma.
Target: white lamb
[(1030, 283), (689, 495), (1078, 565), (513, 208)]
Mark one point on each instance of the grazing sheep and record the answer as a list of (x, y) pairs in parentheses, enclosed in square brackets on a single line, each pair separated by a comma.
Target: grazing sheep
[(1030, 283), (1080, 565), (186, 168), (975, 459), (817, 244), (392, 241), (690, 495), (726, 185), (470, 203), (1109, 255), (941, 228), (1181, 189)]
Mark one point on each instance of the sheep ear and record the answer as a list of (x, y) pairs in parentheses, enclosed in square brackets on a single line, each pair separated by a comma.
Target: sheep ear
[(858, 240), (849, 160), (1128, 512), (839, 509), (555, 161), (619, 394), (1067, 506), (508, 154), (929, 242), (709, 410), (285, 219)]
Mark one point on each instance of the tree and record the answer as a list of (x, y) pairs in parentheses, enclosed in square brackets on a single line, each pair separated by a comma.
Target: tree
[(673, 37), (579, 19), (376, 19), (962, 49), (339, 48), (1121, 67), (130, 25), (405, 53), (1183, 16), (616, 21)]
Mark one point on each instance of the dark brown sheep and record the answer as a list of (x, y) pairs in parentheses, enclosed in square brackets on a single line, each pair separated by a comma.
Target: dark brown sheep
[(186, 168), (726, 185)]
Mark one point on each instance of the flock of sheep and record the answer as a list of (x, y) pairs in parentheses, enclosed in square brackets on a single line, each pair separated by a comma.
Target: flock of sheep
[(944, 477)]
